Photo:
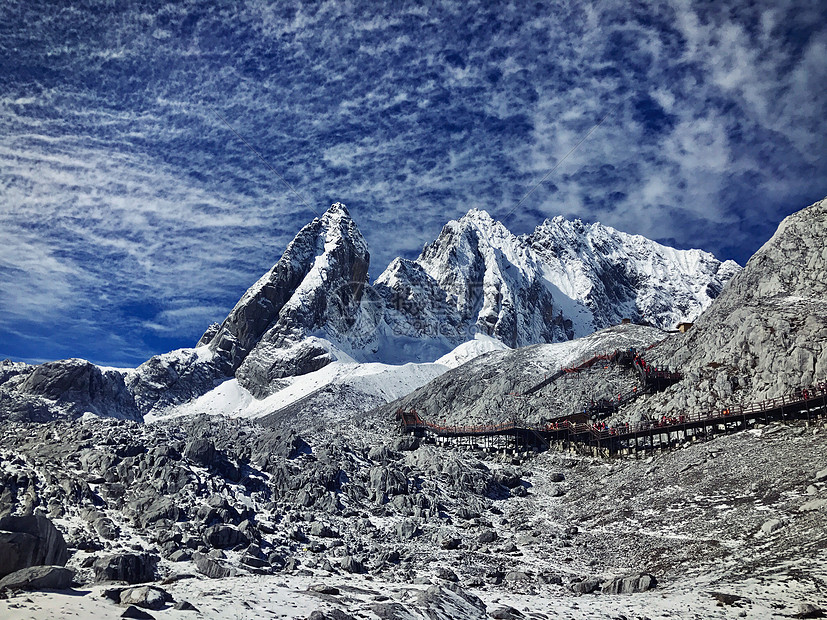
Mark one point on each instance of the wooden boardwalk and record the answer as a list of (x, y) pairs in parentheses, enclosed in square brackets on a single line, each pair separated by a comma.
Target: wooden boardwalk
[(575, 432)]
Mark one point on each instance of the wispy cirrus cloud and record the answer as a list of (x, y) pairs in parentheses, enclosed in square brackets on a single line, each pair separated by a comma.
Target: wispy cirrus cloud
[(131, 216)]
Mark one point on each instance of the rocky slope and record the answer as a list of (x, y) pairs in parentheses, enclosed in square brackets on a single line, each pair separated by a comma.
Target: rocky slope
[(490, 387), (767, 332), (764, 336), (351, 521)]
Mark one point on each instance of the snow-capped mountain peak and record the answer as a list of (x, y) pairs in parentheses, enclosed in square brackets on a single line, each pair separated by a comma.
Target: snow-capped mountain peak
[(618, 275)]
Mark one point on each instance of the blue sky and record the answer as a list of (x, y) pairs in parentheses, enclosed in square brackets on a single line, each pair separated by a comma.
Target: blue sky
[(131, 216)]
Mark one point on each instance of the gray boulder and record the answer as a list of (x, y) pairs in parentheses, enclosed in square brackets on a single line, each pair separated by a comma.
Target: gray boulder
[(106, 528), (185, 606), (128, 567), (212, 568), (447, 601), (224, 537), (136, 613), (350, 564), (201, 451), (630, 584), (148, 597), (151, 508), (772, 525), (30, 541), (506, 613), (446, 574), (587, 586), (487, 536), (322, 530), (406, 529), (808, 610), (38, 578)]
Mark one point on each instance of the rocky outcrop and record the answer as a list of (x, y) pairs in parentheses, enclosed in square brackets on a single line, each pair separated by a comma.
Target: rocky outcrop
[(176, 377), (38, 578), (316, 284), (66, 388), (128, 567), (630, 584), (147, 597), (30, 541), (212, 568), (766, 333)]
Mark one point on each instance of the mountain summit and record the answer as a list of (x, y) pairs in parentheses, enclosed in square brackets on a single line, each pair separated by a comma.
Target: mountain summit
[(316, 305), (316, 286), (563, 281)]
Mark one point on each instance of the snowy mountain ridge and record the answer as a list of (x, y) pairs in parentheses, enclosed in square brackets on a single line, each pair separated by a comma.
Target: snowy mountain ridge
[(477, 279), (565, 280)]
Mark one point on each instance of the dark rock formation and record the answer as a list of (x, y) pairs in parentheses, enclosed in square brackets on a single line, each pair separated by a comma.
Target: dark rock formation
[(630, 584), (38, 578), (65, 388), (224, 537), (128, 567), (212, 568), (147, 597), (317, 283), (30, 541)]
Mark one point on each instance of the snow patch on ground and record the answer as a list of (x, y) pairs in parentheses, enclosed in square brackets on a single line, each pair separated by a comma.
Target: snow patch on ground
[(386, 381), (471, 349)]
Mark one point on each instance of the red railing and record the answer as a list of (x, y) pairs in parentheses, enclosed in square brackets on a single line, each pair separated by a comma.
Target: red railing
[(412, 421)]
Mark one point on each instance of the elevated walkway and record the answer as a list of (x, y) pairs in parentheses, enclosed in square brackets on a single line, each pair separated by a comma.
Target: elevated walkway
[(576, 432)]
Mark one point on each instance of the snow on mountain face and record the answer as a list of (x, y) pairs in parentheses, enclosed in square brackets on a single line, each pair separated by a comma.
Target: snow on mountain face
[(617, 275), (316, 285), (563, 281), (316, 306), (495, 283)]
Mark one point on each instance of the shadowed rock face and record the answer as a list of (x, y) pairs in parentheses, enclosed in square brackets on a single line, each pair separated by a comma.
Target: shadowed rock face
[(175, 377), (38, 578), (317, 282), (30, 541), (128, 567)]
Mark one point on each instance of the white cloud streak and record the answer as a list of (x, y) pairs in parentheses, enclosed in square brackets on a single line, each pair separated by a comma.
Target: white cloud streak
[(131, 217)]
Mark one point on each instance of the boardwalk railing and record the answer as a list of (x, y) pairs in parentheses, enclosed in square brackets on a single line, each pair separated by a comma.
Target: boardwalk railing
[(651, 378), (814, 397)]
